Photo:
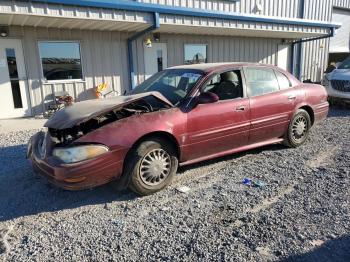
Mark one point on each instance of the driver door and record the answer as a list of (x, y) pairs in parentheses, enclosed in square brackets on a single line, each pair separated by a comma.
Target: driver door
[(217, 127)]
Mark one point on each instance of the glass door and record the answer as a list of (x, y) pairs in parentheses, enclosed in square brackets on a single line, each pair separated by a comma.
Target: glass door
[(155, 59), (13, 84)]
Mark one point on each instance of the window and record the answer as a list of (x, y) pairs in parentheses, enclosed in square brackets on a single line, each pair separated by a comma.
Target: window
[(195, 54), (283, 81), (227, 85), (174, 84), (60, 60), (12, 66), (345, 64), (160, 59), (261, 81)]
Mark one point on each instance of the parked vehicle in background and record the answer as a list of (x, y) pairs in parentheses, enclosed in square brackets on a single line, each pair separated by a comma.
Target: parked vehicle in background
[(337, 82), (181, 115)]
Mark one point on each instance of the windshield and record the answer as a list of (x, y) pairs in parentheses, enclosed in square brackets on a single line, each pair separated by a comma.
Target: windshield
[(174, 84), (345, 64)]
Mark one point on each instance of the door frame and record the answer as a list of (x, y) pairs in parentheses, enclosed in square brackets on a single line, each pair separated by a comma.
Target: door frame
[(280, 49), (165, 57), (23, 80)]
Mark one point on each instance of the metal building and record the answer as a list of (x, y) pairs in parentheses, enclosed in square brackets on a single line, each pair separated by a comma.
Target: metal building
[(74, 45)]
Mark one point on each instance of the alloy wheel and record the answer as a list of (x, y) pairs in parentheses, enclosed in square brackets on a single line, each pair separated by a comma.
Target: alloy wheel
[(299, 128), (155, 167)]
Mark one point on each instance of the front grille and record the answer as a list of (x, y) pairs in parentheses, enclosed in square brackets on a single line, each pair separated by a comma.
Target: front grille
[(341, 85)]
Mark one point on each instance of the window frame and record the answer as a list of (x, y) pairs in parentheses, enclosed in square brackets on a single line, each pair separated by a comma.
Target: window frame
[(290, 83), (218, 72), (77, 80), (198, 44), (245, 68)]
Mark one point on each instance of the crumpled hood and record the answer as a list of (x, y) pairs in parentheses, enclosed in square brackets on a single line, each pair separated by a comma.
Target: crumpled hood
[(85, 110), (340, 74)]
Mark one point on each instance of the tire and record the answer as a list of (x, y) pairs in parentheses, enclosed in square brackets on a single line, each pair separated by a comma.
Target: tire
[(298, 130), (151, 166)]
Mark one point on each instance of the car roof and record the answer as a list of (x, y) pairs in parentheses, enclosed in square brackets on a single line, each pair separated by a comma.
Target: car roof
[(208, 67)]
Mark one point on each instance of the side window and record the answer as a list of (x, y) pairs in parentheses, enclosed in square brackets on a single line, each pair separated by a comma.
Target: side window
[(261, 81), (214, 81), (227, 85), (283, 81)]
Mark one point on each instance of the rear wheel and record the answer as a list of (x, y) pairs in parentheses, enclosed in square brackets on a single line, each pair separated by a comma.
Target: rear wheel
[(152, 166), (298, 129)]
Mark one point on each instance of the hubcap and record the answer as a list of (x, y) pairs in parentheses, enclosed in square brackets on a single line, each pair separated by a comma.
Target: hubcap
[(155, 167), (299, 128)]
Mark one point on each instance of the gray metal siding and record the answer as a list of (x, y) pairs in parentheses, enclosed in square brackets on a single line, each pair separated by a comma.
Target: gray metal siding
[(282, 8), (315, 54), (220, 49), (67, 11), (104, 59), (341, 3), (318, 10)]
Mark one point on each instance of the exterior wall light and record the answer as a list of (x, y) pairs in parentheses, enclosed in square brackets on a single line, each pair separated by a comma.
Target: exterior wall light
[(148, 43), (4, 31)]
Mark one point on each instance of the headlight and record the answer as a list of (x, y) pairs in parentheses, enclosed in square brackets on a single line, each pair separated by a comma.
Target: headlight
[(79, 153), (325, 81)]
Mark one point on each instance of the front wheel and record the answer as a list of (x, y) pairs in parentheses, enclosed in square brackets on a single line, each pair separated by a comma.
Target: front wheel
[(152, 166), (298, 130)]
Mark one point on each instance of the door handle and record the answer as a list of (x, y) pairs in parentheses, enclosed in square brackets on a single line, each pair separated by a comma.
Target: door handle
[(292, 97), (240, 108)]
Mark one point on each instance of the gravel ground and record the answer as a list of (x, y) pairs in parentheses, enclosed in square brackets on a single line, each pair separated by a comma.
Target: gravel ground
[(301, 214)]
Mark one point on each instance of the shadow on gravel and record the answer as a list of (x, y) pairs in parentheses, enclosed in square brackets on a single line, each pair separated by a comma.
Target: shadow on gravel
[(23, 193), (273, 147), (338, 112), (337, 250)]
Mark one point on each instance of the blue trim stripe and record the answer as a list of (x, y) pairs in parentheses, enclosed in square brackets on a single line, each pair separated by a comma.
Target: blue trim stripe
[(174, 10)]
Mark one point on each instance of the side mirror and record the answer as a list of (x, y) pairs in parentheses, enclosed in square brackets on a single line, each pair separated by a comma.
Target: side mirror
[(330, 69), (207, 98)]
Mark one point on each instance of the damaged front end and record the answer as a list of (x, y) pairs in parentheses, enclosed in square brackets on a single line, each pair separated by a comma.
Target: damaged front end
[(74, 166), (64, 133)]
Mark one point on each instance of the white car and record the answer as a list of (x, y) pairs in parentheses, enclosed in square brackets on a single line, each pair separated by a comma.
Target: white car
[(337, 82)]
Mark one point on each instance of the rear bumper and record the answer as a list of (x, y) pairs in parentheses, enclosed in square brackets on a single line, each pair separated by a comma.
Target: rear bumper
[(77, 176), (321, 112)]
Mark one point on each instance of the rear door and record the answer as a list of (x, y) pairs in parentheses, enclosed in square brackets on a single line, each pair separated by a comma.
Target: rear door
[(217, 127), (272, 101)]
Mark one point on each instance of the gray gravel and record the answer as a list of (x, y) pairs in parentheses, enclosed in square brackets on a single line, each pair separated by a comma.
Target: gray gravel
[(301, 214)]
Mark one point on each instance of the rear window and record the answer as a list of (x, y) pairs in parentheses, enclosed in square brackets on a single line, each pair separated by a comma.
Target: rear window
[(261, 81), (283, 80)]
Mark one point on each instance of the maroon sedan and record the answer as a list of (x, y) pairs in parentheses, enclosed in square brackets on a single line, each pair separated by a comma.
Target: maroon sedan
[(181, 115)]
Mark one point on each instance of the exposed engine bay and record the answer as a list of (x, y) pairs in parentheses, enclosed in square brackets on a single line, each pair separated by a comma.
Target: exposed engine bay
[(63, 137)]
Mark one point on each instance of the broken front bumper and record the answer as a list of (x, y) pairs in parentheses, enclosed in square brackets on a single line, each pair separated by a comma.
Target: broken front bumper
[(76, 176)]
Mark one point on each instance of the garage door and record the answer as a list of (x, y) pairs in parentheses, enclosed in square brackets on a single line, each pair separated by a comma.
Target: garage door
[(341, 42)]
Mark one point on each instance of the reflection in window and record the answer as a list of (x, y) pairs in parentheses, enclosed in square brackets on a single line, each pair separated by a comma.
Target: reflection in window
[(13, 74), (195, 54), (283, 81), (60, 60), (160, 60), (16, 94), (11, 62), (261, 81)]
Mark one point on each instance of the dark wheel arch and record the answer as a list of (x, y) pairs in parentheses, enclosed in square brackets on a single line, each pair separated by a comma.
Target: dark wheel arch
[(151, 165), (124, 181), (310, 111), (168, 137), (298, 129)]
